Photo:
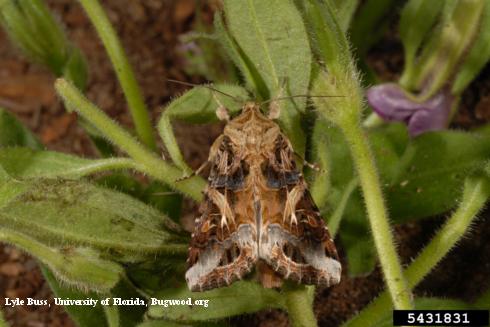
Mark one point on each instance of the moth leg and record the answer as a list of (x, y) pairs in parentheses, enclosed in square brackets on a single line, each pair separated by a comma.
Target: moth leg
[(194, 173), (313, 166)]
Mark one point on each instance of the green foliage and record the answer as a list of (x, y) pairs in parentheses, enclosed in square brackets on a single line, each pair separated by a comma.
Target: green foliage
[(439, 53), (75, 213), (223, 302), (35, 31), (100, 233), (13, 133), (77, 266), (198, 105), (82, 315), (274, 55), (431, 172), (478, 56), (414, 185), (27, 163)]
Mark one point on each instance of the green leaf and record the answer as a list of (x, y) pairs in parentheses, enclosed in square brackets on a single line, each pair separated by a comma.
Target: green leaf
[(204, 56), (446, 48), (370, 23), (356, 238), (345, 12), (326, 35), (163, 198), (197, 105), (432, 171), (132, 315), (276, 44), (27, 163), (155, 194), (251, 76), (239, 298), (81, 267), (35, 31), (477, 57), (84, 316), (76, 69), (13, 133), (417, 18), (76, 213), (151, 276)]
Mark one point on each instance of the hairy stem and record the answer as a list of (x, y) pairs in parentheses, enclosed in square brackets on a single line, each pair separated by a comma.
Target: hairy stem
[(340, 78), (148, 162), (123, 70), (475, 194), (376, 210), (111, 314), (299, 303)]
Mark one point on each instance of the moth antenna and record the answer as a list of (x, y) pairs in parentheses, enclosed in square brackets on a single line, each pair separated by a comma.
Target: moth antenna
[(206, 86), (164, 193), (301, 96)]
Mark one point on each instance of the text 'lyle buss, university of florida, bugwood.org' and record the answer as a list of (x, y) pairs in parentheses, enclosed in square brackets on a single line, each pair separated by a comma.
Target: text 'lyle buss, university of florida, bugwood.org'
[(13, 302)]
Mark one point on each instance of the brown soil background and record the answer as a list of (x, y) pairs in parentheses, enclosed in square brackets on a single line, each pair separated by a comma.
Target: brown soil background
[(149, 30)]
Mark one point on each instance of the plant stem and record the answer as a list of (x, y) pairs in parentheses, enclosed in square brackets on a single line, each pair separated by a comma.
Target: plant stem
[(99, 165), (123, 70), (475, 194), (334, 221), (378, 218), (148, 162), (299, 303)]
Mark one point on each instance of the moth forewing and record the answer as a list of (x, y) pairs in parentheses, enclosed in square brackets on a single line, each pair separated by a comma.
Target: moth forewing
[(258, 212)]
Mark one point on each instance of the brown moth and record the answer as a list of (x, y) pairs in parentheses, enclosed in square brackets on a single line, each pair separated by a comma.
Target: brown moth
[(258, 212)]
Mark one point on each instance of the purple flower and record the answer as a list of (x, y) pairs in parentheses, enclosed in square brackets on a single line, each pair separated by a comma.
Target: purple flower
[(392, 103)]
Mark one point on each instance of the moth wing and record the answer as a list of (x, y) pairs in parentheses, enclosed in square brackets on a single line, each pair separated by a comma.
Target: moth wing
[(294, 240), (224, 243)]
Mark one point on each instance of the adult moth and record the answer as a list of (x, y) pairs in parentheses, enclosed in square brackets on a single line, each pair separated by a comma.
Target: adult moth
[(258, 212)]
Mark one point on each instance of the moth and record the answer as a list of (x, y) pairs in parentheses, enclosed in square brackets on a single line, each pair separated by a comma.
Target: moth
[(258, 212)]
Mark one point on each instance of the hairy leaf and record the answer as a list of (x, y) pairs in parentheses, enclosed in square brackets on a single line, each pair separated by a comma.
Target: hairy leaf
[(197, 105), (275, 43), (223, 302), (156, 194), (275, 40), (21, 162), (432, 170), (84, 316), (80, 267), (75, 213)]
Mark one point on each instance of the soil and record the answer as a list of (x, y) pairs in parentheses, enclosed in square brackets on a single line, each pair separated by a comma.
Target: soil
[(149, 31)]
